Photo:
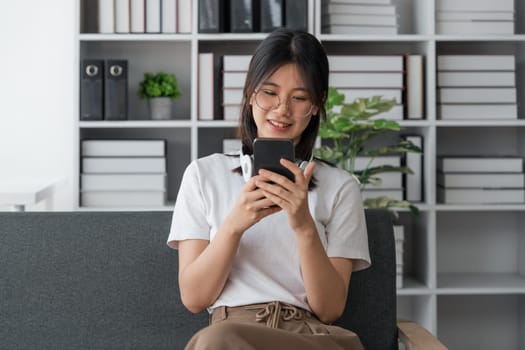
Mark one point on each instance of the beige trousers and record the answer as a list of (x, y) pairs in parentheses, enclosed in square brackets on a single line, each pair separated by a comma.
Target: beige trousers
[(270, 326)]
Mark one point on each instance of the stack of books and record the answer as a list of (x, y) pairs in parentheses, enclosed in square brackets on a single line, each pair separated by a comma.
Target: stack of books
[(475, 17), (480, 180), (235, 68), (391, 182), (123, 173), (476, 87), (359, 17), (399, 238), (366, 76), (144, 16)]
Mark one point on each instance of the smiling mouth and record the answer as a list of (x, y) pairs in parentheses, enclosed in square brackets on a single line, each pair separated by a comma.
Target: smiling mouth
[(278, 124)]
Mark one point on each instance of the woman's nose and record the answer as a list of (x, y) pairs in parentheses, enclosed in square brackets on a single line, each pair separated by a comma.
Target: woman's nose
[(282, 108)]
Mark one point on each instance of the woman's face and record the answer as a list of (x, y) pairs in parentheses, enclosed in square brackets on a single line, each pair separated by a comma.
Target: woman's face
[(291, 116)]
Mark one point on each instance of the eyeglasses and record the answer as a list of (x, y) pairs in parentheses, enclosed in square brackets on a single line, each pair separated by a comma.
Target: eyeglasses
[(298, 106)]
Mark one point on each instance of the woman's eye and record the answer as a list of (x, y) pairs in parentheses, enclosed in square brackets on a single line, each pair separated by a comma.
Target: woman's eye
[(269, 92), (299, 98)]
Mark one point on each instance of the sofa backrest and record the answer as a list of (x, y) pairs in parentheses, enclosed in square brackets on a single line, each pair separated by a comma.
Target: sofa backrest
[(107, 280), (90, 280)]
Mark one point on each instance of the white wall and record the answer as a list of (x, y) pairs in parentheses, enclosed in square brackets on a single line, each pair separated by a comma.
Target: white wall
[(38, 92)]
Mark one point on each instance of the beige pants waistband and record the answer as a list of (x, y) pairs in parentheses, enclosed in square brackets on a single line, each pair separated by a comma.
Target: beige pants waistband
[(271, 313)]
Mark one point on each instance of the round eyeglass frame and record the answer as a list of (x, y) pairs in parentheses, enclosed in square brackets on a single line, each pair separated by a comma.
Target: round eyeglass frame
[(256, 92)]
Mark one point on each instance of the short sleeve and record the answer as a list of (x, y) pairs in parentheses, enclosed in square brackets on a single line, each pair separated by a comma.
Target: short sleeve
[(189, 215), (346, 230)]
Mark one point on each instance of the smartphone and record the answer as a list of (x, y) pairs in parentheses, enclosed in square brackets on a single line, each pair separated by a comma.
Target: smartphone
[(267, 153)]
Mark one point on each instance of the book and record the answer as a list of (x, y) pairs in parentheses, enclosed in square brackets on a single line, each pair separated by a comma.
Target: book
[(369, 80), (353, 94), (138, 16), (92, 90), (395, 113), (234, 79), (478, 5), (483, 180), (415, 87), (365, 63), (211, 16), (169, 16), (122, 198), (205, 86), (296, 14), (394, 193), (399, 233), (232, 96), (413, 183), (468, 27), (184, 16), (476, 62), (481, 195), (236, 63), (368, 2), (241, 16), (271, 15), (123, 148), (232, 112), (358, 9), (362, 162), (217, 86), (359, 19), (152, 16), (116, 90), (117, 165), (476, 95), (474, 16), (482, 164), (106, 16), (358, 30), (123, 182), (122, 16), (476, 79), (388, 180), (478, 111)]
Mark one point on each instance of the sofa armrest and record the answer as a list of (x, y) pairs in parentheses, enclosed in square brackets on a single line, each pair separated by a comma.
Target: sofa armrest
[(415, 337)]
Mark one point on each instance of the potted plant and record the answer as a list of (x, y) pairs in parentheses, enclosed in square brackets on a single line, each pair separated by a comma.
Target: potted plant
[(161, 89), (347, 128)]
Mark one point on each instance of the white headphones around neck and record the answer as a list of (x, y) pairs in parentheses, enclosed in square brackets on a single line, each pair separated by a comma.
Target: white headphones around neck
[(246, 161)]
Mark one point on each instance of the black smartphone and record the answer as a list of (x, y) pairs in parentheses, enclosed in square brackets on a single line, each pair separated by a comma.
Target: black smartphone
[(267, 153)]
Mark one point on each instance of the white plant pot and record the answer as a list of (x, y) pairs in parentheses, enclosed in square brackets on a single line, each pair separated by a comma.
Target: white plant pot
[(160, 108)]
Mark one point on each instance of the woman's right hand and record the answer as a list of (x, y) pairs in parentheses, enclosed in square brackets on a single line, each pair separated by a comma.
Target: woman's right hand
[(251, 207)]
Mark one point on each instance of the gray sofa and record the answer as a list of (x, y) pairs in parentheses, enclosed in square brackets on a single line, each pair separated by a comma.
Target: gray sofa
[(107, 280)]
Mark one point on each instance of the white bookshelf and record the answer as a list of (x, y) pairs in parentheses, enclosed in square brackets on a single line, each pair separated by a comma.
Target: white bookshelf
[(464, 264)]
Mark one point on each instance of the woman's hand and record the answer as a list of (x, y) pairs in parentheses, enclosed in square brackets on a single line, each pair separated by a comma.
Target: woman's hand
[(292, 197), (252, 206)]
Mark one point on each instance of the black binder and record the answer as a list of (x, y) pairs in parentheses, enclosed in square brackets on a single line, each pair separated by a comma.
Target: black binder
[(212, 16), (92, 90), (116, 90), (242, 16), (271, 12), (296, 14)]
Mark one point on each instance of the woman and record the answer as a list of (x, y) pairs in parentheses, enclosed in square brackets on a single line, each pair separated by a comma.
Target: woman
[(269, 258)]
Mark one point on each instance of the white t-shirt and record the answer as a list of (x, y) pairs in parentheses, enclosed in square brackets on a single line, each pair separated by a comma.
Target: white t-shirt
[(266, 267)]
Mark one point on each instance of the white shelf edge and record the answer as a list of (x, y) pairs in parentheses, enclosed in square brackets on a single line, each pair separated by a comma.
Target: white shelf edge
[(124, 124), (394, 37), (480, 207), (231, 36), (161, 208), (481, 123), (135, 37), (487, 37), (413, 287), (480, 283), (217, 124)]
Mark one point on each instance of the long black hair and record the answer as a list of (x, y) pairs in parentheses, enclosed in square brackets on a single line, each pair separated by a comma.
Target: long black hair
[(284, 46)]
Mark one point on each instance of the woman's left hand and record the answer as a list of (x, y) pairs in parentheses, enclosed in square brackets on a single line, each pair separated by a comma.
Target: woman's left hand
[(291, 196)]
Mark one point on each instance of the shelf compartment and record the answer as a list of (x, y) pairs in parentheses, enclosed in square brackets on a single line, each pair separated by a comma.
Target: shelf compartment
[(480, 252), (171, 57), (481, 322), (177, 150), (417, 309)]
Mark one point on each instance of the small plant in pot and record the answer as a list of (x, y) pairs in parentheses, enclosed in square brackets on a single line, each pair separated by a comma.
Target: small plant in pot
[(161, 89), (348, 128)]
